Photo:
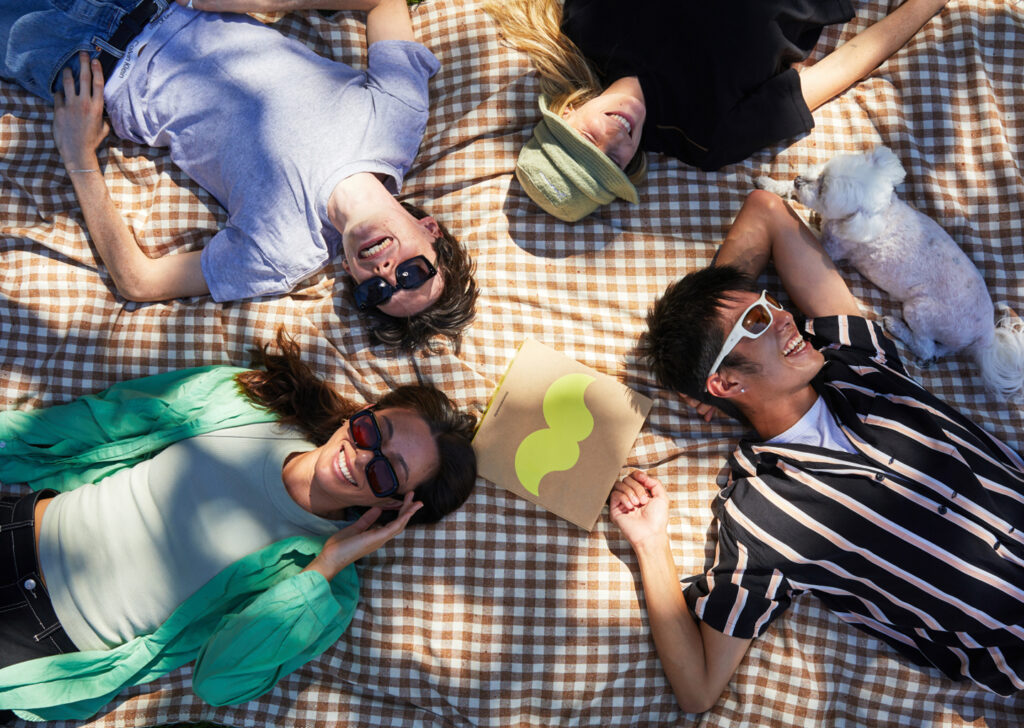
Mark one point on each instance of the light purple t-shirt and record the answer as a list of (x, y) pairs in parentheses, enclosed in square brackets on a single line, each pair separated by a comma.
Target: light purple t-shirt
[(270, 128)]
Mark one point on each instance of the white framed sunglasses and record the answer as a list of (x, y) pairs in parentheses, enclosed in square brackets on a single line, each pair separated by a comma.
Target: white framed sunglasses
[(750, 325)]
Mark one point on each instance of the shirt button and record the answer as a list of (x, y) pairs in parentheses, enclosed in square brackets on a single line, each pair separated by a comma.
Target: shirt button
[(996, 545), (30, 584), (879, 477), (942, 510)]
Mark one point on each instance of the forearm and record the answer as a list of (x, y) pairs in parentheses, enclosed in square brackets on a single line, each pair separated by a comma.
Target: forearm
[(767, 230), (110, 234), (389, 20), (863, 53), (677, 637)]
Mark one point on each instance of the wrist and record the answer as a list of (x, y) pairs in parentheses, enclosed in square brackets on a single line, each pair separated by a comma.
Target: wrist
[(85, 161), (654, 545)]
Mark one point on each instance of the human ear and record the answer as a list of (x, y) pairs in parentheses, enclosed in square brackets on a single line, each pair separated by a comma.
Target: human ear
[(430, 225), (344, 264), (723, 386)]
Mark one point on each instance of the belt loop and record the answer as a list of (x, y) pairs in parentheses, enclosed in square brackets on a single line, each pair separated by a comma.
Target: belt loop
[(102, 45)]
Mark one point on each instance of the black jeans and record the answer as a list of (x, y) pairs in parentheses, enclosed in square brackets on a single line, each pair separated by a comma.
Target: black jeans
[(29, 627)]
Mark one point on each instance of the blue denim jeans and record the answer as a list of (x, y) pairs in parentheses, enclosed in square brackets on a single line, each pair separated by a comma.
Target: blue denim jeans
[(29, 627), (40, 37)]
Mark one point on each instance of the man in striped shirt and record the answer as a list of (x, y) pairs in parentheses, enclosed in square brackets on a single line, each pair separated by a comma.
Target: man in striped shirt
[(895, 510)]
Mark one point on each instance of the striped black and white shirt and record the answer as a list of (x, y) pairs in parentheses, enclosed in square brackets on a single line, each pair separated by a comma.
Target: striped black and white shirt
[(918, 538)]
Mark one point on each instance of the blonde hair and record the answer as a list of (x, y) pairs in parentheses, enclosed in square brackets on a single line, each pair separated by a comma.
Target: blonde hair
[(566, 78), (535, 28)]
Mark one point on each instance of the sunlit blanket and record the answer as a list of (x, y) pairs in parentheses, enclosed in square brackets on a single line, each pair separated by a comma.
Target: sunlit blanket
[(504, 615)]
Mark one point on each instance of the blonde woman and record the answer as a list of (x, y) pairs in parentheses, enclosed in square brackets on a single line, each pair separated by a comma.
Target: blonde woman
[(707, 83)]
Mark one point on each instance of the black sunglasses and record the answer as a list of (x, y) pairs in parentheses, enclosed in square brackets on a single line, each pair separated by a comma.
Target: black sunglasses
[(409, 274), (366, 435)]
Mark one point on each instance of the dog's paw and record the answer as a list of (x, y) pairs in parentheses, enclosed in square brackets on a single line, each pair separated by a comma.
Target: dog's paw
[(782, 189)]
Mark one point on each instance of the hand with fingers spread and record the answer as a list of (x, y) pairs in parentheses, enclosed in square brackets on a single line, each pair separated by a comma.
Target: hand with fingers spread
[(78, 124), (639, 507), (361, 538)]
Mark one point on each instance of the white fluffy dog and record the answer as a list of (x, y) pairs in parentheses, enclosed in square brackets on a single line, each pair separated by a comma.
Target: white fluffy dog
[(946, 305)]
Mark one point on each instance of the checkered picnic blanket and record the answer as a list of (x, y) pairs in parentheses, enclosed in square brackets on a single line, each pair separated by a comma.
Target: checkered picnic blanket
[(504, 615)]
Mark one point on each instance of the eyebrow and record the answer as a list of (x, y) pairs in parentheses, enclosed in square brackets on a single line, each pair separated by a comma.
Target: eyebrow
[(398, 457)]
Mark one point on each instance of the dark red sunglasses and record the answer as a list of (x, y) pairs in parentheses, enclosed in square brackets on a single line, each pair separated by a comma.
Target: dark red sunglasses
[(366, 435)]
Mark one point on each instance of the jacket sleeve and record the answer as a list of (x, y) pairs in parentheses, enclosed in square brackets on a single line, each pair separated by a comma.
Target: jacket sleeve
[(85, 440), (280, 630)]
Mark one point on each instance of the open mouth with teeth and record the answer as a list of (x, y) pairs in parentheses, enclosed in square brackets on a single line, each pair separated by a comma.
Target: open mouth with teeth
[(795, 345), (622, 121), (375, 247), (343, 469)]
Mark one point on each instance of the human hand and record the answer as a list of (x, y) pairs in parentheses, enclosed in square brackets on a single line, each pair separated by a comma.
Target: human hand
[(639, 507), (361, 538), (78, 125), (704, 410)]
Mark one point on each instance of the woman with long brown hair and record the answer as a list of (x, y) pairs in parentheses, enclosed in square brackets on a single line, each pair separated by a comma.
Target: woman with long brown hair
[(208, 514), (709, 83)]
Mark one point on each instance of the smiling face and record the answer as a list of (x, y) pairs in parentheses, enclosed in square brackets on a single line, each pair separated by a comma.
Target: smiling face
[(339, 467), (374, 246), (613, 122), (787, 362)]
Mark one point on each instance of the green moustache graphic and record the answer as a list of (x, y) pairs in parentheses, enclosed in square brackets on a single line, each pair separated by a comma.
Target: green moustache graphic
[(556, 447)]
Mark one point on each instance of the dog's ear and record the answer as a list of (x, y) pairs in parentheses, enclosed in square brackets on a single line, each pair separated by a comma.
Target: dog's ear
[(887, 165)]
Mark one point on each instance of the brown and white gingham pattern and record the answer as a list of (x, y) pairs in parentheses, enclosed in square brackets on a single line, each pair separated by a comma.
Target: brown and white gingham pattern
[(504, 615)]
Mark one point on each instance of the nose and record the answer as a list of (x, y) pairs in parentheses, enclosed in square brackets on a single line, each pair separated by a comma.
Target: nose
[(385, 268)]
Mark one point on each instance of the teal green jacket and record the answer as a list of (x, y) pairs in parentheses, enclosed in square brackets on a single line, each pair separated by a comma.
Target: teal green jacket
[(250, 625)]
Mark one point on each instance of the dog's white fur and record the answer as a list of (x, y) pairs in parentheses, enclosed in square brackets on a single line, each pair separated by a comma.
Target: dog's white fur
[(946, 305)]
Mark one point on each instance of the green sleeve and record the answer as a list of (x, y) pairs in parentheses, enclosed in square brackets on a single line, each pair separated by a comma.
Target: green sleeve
[(89, 438), (283, 628)]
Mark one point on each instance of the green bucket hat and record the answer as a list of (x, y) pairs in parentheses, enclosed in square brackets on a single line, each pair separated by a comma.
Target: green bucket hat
[(567, 175)]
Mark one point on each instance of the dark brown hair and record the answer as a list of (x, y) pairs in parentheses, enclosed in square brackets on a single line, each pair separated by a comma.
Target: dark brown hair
[(285, 385), (448, 316)]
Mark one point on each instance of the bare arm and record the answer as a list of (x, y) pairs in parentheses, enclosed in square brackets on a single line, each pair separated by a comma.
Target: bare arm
[(767, 229), (78, 129), (277, 6), (385, 19), (698, 661), (863, 53)]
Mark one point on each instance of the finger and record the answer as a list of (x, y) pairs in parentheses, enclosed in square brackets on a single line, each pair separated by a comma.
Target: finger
[(634, 490), (68, 81), (97, 78), (364, 522), (84, 73)]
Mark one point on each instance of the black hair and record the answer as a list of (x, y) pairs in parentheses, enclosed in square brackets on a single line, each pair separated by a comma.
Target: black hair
[(684, 330)]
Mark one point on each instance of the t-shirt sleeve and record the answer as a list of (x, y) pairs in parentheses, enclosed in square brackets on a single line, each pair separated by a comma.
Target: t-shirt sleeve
[(856, 333), (774, 111), (735, 596), (401, 69), (236, 267)]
